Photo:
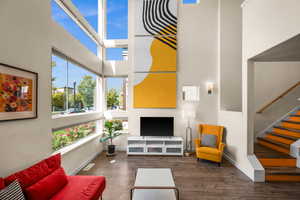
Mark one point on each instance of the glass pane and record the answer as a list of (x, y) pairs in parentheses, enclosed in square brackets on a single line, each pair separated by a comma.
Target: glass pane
[(117, 19), (67, 23), (116, 93), (67, 136), (116, 54), (190, 1), (89, 10), (59, 84), (82, 85)]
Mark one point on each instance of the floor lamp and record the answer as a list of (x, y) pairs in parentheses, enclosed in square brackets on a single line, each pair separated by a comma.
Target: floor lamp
[(189, 115)]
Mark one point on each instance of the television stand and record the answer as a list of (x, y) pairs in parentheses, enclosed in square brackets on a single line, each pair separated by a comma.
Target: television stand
[(154, 145)]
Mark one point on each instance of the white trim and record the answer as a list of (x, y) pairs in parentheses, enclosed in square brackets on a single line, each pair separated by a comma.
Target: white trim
[(75, 114), (77, 144), (85, 163)]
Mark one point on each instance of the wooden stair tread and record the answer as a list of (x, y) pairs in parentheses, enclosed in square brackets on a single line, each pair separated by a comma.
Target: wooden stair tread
[(274, 142), (289, 121), (283, 170), (283, 136), (263, 152), (287, 129), (279, 139), (294, 115)]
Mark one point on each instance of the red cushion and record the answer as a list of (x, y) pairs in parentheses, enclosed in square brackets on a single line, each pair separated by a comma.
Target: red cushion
[(82, 188), (2, 185), (48, 186), (33, 174)]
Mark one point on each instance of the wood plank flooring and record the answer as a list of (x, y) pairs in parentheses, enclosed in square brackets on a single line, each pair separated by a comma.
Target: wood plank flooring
[(195, 180)]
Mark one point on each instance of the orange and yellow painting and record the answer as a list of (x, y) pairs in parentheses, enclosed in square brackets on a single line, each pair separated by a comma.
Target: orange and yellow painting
[(15, 93)]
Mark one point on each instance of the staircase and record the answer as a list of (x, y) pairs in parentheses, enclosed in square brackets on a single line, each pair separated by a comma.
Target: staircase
[(273, 150)]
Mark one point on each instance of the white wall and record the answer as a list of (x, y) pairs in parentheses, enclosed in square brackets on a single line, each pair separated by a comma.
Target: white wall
[(27, 37), (197, 63), (266, 24), (230, 49), (271, 80)]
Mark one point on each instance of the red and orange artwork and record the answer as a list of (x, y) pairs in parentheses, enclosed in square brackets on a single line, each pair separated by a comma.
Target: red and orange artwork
[(15, 93)]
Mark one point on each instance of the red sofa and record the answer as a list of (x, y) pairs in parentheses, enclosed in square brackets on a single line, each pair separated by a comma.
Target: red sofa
[(47, 180)]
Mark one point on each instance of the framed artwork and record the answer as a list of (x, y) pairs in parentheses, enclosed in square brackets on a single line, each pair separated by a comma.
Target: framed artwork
[(154, 90), (155, 54), (18, 93), (156, 17)]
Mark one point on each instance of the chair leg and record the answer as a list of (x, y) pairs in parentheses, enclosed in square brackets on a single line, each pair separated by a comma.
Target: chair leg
[(198, 159), (219, 164)]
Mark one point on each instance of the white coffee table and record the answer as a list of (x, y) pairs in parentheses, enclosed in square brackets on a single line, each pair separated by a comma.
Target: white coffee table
[(154, 184)]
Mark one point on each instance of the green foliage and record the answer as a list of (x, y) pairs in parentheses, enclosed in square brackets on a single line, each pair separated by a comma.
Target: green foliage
[(111, 127), (58, 101), (112, 99), (86, 89), (62, 138)]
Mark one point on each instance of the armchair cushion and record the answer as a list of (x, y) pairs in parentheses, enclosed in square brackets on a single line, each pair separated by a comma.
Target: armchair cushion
[(209, 150), (209, 140)]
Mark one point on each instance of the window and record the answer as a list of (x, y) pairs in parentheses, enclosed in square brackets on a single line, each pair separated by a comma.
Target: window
[(67, 136), (116, 54), (117, 19), (63, 19), (89, 10), (190, 1), (73, 87), (116, 93)]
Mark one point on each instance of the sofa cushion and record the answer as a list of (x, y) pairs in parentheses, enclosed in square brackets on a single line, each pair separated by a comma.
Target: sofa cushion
[(82, 188), (48, 186), (33, 174), (2, 185), (209, 140), (12, 192)]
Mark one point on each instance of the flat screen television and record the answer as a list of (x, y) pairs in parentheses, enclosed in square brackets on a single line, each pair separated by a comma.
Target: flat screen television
[(157, 126)]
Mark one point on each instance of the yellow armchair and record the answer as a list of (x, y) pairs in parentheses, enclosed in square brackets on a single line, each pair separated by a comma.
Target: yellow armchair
[(210, 153)]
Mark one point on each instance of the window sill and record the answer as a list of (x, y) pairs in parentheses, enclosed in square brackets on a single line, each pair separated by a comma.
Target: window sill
[(77, 144), (75, 114)]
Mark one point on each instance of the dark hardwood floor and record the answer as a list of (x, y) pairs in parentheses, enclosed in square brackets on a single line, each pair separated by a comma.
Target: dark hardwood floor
[(195, 180)]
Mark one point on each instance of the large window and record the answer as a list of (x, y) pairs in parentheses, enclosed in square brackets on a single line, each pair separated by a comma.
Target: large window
[(67, 136), (116, 54), (63, 19), (73, 87), (116, 93), (117, 19), (89, 10)]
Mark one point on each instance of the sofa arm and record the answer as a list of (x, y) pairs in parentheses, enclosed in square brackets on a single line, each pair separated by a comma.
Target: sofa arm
[(197, 142), (221, 147)]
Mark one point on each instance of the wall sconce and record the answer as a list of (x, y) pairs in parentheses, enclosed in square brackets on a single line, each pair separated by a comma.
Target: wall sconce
[(209, 88)]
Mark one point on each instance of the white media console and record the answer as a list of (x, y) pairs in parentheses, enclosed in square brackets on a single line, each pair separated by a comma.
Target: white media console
[(144, 145)]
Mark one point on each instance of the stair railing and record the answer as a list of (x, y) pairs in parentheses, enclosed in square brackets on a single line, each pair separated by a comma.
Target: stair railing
[(278, 98)]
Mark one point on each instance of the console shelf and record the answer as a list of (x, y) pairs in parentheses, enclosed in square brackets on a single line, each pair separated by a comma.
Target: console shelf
[(155, 146)]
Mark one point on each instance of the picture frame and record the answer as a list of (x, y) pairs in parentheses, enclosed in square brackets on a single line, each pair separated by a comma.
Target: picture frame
[(18, 93)]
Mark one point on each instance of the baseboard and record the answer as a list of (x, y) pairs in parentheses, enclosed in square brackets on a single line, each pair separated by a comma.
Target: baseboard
[(234, 163), (85, 163)]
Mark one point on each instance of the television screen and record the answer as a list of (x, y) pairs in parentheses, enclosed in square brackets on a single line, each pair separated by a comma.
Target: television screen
[(157, 126)]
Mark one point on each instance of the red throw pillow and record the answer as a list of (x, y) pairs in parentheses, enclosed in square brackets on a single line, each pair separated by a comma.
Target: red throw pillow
[(48, 186), (2, 185)]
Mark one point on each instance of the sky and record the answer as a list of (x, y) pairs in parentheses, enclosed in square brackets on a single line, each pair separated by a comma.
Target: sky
[(117, 28)]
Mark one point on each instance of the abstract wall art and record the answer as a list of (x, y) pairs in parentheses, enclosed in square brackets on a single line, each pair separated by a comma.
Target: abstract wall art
[(18, 93), (155, 90), (155, 54)]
